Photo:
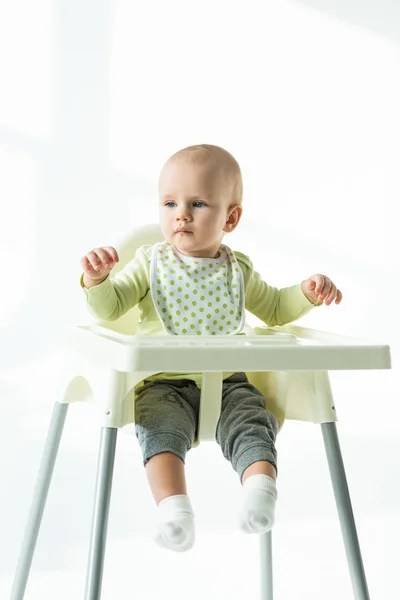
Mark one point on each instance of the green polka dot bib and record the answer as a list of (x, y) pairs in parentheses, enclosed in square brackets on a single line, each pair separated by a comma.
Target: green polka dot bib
[(197, 296)]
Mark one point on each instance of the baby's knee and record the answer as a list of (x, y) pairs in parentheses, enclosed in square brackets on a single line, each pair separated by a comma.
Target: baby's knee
[(153, 443)]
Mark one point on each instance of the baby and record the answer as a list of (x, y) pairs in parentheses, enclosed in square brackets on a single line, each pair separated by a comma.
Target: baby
[(192, 284)]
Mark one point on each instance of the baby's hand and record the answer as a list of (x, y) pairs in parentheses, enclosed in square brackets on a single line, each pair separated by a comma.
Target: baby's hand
[(319, 288), (97, 263)]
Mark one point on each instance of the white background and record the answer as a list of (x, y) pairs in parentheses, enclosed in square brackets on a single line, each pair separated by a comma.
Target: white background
[(95, 96)]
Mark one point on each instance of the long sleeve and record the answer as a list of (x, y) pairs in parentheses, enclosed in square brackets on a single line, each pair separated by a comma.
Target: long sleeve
[(272, 305), (115, 296)]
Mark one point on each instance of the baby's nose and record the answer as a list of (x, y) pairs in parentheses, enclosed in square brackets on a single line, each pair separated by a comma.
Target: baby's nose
[(182, 213)]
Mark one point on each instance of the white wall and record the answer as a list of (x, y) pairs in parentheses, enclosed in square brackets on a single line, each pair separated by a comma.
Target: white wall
[(96, 95)]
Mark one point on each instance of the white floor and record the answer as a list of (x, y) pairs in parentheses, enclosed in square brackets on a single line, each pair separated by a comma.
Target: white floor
[(309, 558)]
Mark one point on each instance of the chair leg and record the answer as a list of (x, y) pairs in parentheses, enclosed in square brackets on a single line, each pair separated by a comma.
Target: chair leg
[(105, 468), (346, 517), (267, 592), (39, 500)]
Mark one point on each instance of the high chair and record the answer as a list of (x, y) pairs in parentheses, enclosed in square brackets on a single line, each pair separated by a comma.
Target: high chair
[(288, 364)]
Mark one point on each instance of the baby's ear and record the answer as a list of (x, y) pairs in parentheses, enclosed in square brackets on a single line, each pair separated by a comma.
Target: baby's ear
[(234, 216)]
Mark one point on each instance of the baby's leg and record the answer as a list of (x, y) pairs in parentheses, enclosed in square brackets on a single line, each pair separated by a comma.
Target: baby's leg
[(166, 422), (246, 433), (166, 475)]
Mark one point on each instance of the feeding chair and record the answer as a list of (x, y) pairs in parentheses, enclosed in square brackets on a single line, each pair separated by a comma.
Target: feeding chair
[(288, 364)]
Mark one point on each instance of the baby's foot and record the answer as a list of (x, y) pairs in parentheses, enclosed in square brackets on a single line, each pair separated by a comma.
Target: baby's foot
[(258, 511), (175, 529)]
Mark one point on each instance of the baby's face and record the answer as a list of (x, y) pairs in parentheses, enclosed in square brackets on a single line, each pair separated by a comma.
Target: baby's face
[(194, 207)]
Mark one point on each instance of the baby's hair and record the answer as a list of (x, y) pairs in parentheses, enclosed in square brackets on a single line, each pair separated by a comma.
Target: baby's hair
[(228, 164)]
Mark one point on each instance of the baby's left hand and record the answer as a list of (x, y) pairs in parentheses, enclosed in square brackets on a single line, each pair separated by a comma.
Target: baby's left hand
[(319, 288)]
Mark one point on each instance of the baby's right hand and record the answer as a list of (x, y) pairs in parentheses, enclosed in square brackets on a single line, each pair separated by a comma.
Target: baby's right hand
[(98, 263)]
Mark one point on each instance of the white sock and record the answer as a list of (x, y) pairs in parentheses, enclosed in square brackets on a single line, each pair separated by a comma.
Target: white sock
[(258, 510), (175, 529)]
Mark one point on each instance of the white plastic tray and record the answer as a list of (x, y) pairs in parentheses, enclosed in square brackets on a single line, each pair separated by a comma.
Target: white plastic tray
[(288, 348)]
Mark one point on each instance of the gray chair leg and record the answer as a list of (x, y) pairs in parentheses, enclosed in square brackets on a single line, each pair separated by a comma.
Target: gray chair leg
[(101, 507), (346, 517), (267, 591), (39, 500)]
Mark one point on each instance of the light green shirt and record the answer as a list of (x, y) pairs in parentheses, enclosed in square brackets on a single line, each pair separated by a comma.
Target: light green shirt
[(115, 296)]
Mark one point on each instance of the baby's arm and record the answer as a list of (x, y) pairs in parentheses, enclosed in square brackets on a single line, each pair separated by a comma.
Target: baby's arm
[(279, 307), (275, 306), (108, 298), (271, 305)]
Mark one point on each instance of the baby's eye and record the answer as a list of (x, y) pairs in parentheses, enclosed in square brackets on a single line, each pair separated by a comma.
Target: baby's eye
[(199, 202), (170, 203)]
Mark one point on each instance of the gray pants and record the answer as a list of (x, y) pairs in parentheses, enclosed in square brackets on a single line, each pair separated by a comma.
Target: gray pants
[(167, 413)]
